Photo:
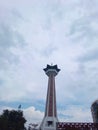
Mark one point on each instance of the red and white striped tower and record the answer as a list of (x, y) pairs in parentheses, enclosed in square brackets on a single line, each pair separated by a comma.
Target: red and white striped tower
[(50, 117)]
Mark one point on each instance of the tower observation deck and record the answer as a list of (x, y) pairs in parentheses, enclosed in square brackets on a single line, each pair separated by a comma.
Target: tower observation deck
[(50, 118)]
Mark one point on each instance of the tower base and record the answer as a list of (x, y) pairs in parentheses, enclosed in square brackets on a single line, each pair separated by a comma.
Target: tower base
[(49, 123)]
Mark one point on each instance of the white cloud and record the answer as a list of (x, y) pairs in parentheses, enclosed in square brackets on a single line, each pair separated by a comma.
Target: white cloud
[(33, 116), (76, 114)]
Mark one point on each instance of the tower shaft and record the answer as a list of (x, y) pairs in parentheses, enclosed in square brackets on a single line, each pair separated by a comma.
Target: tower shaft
[(51, 98)]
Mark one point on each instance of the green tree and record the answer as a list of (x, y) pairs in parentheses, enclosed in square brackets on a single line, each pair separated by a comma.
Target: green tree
[(12, 120)]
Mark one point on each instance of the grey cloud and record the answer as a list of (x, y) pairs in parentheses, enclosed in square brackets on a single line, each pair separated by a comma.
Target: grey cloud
[(1, 81), (82, 29), (89, 56), (16, 14), (49, 50), (8, 39), (6, 36)]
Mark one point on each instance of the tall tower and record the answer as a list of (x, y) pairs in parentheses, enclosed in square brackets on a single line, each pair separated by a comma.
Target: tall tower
[(50, 117)]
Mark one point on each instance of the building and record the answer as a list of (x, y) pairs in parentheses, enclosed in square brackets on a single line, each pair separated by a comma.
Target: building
[(50, 118), (77, 126), (94, 110)]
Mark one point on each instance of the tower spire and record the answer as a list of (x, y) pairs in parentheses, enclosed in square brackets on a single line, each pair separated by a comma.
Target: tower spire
[(50, 117)]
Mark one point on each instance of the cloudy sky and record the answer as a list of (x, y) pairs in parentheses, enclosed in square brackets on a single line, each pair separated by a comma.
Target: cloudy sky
[(34, 33)]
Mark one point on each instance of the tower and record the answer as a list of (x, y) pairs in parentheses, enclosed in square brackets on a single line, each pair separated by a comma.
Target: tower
[(94, 110), (50, 118)]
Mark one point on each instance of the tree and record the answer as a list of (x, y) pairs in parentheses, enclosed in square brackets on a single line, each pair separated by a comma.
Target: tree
[(12, 120)]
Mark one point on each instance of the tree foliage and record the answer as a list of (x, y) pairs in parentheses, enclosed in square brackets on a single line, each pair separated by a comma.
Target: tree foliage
[(12, 120)]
